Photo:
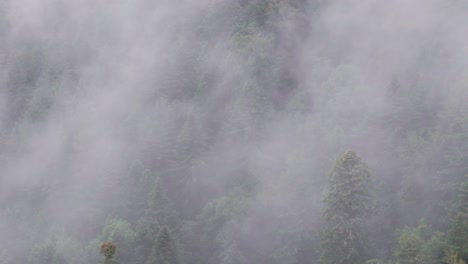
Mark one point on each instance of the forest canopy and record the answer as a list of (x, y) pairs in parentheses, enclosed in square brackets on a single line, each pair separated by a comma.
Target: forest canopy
[(233, 132)]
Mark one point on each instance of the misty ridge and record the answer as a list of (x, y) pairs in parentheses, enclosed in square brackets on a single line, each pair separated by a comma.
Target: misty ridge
[(233, 132)]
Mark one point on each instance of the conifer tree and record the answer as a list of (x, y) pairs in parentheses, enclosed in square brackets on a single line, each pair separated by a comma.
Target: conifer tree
[(159, 213), (347, 205), (159, 208), (121, 233), (46, 254), (164, 250), (419, 245), (410, 249), (458, 232)]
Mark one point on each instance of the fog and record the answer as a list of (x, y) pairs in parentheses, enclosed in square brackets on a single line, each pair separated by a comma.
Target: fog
[(239, 107)]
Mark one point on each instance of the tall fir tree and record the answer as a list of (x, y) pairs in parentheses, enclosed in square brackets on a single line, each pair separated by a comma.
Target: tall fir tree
[(348, 204), (164, 251), (159, 207), (159, 213), (458, 232), (46, 254)]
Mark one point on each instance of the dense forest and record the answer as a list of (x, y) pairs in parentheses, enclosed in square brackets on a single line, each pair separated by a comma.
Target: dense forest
[(233, 132)]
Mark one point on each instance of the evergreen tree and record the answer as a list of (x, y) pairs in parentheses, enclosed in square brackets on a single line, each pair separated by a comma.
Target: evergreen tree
[(451, 257), (347, 206), (159, 208), (121, 233), (417, 246), (46, 254), (458, 233), (159, 213), (410, 246), (164, 251)]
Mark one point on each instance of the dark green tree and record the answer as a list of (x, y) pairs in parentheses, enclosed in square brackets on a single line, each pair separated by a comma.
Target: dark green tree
[(158, 213), (348, 204), (164, 251), (458, 232), (159, 207), (121, 233), (46, 254), (418, 246)]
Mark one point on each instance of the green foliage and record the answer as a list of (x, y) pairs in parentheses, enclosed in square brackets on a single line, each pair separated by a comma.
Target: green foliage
[(417, 246), (121, 233), (347, 205), (451, 257), (273, 83), (410, 247), (118, 229), (458, 231), (159, 213), (164, 250), (160, 209), (46, 254), (209, 237), (348, 195)]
